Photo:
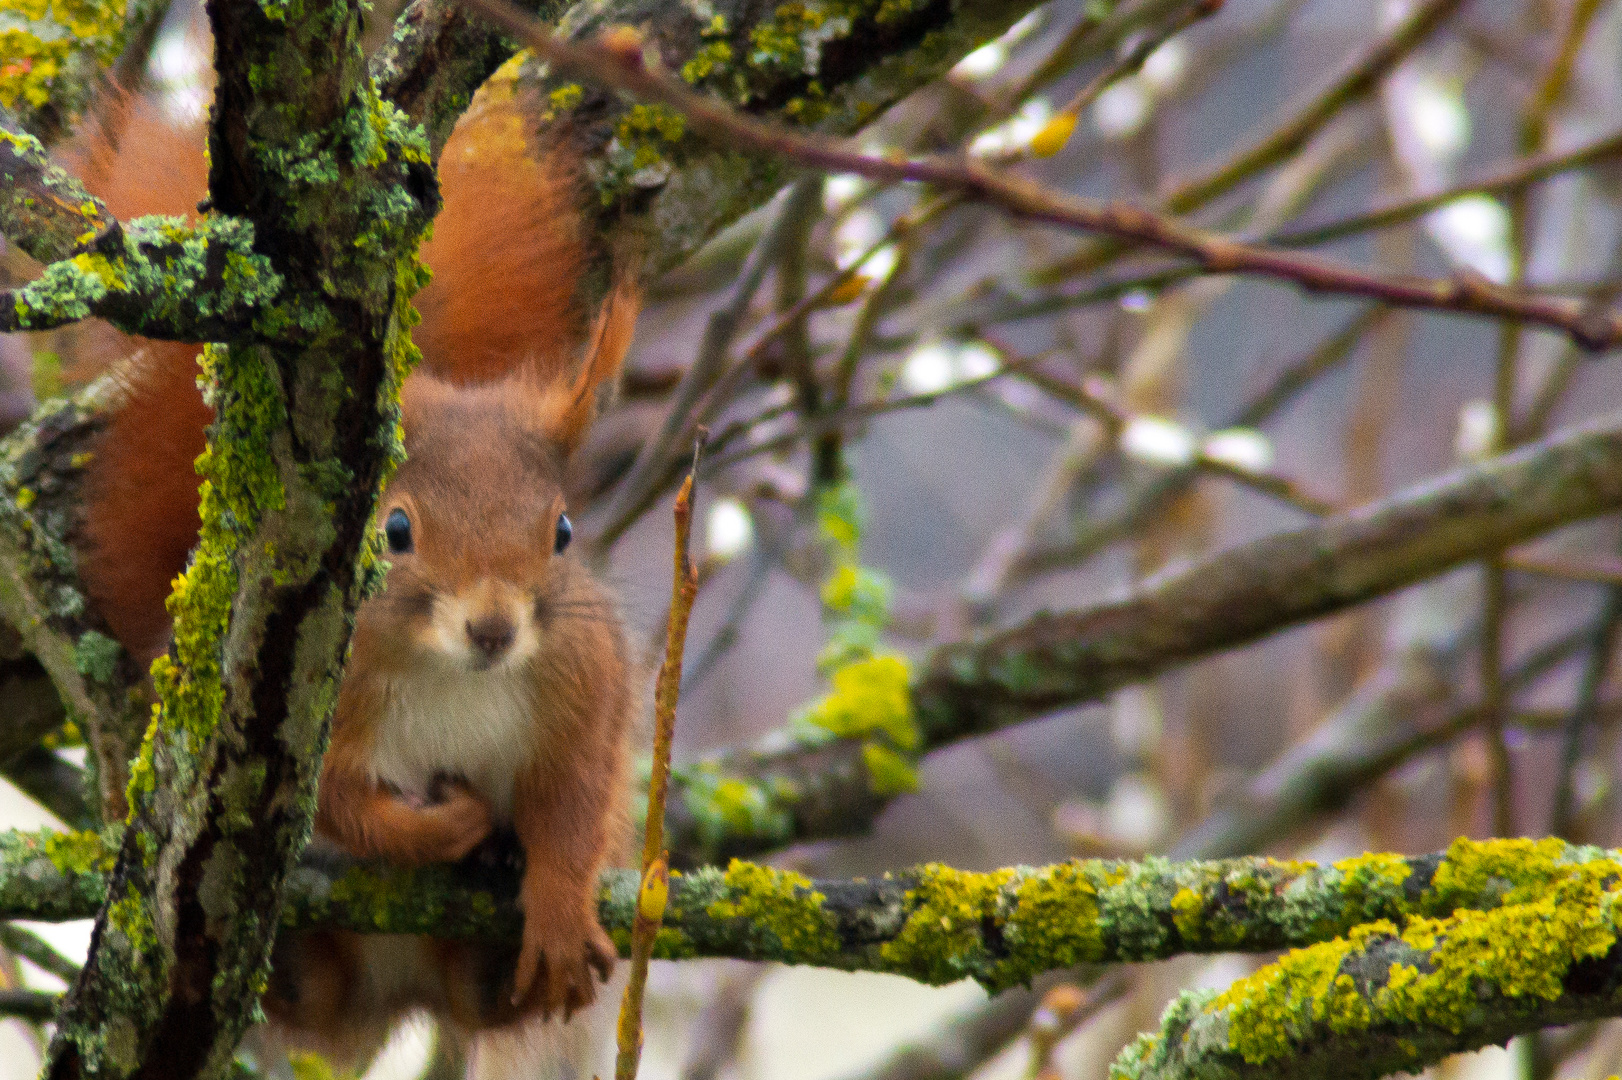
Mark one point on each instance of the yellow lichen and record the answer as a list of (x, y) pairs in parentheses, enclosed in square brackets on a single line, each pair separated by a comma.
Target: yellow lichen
[(781, 905), (941, 942)]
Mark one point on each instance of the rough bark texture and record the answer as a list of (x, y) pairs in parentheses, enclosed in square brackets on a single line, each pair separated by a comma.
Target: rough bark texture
[(308, 165)]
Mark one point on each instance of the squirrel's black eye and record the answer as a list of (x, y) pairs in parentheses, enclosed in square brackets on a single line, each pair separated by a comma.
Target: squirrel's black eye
[(564, 535), (397, 530)]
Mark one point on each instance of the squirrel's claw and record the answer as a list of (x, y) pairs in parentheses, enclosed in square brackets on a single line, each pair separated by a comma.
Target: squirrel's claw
[(561, 979)]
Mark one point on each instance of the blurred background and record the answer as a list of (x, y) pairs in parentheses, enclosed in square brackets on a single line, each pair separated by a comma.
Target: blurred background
[(1036, 421)]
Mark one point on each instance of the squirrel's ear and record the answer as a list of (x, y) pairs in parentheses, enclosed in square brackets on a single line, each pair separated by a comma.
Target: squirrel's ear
[(569, 405)]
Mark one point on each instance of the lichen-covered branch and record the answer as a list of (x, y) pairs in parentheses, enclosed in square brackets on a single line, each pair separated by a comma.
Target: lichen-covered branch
[(1236, 596), (828, 68), (43, 210), (931, 923), (41, 471), (750, 801), (156, 277), (1394, 996), (437, 57)]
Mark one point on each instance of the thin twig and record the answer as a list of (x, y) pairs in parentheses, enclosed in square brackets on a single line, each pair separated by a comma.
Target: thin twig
[(1138, 55), (1596, 665), (655, 884), (1517, 176), (1062, 1011), (646, 472), (37, 951), (1593, 572), (1027, 559), (624, 69), (1360, 74), (36, 1005)]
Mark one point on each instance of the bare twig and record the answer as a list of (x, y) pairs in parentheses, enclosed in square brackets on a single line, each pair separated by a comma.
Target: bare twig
[(624, 69), (1518, 176), (1596, 666), (1404, 709), (1358, 75), (655, 885), (1134, 59), (1148, 498), (646, 475), (37, 951)]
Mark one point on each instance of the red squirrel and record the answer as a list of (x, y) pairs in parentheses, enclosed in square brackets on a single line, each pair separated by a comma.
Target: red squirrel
[(489, 684)]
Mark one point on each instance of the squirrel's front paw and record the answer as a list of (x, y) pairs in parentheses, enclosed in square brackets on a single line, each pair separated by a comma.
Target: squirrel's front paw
[(557, 964), (460, 822)]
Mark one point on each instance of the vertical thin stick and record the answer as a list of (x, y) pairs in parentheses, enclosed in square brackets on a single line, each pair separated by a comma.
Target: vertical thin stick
[(655, 888)]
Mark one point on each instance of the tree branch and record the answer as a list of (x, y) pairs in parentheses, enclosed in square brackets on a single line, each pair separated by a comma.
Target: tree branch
[(306, 414), (1394, 996), (660, 188), (437, 57), (155, 277), (41, 470), (751, 801), (43, 210), (931, 923), (626, 71)]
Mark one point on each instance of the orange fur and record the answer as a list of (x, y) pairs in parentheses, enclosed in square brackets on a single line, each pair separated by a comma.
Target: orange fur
[(488, 685), (506, 251)]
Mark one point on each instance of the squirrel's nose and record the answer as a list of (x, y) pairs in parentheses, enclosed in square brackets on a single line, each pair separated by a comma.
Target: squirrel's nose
[(491, 635)]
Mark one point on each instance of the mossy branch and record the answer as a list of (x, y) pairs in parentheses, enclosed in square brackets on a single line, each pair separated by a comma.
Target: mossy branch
[(747, 802), (437, 57), (1499, 937), (43, 210), (1395, 996), (156, 277), (321, 194), (97, 684)]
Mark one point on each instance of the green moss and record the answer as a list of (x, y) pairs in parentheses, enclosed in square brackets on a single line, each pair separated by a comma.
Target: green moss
[(857, 591), (1285, 1001), (567, 96), (370, 892), (781, 907), (1054, 923), (164, 267), (1486, 873), (32, 59), (709, 60), (668, 944), (839, 517), (1188, 909), (1520, 914), (129, 917), (1372, 884)]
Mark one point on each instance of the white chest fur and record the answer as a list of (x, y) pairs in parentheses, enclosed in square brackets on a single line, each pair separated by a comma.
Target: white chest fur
[(478, 725)]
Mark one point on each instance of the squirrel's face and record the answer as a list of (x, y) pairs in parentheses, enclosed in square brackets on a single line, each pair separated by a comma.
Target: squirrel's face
[(474, 527)]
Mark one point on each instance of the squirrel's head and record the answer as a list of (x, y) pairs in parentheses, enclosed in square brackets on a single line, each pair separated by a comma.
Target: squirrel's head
[(474, 523)]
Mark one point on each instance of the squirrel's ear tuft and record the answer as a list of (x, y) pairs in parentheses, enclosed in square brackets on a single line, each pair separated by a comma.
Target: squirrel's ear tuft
[(568, 406)]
